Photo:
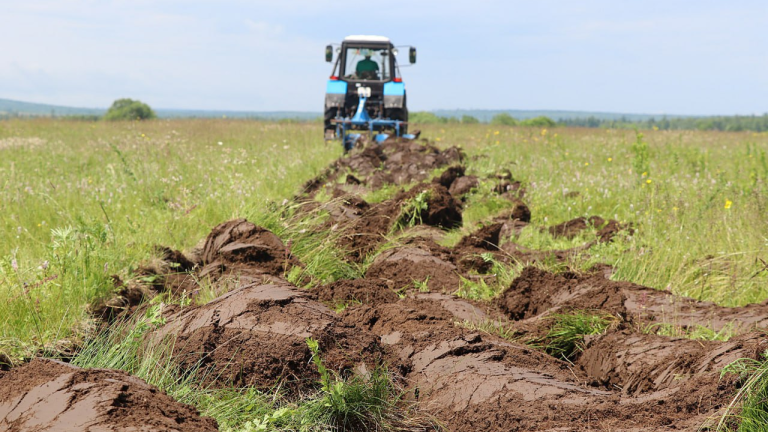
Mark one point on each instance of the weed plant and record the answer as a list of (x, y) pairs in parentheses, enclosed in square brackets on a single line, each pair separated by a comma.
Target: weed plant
[(564, 339)]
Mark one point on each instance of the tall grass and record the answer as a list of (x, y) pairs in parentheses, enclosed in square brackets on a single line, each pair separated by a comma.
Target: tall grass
[(83, 200), (698, 205)]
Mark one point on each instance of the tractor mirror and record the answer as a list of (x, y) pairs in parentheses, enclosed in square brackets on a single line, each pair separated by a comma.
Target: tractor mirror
[(328, 53), (412, 55)]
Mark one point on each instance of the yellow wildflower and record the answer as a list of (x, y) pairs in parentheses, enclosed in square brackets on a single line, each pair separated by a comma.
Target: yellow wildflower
[(495, 132), (648, 181), (610, 159), (728, 203)]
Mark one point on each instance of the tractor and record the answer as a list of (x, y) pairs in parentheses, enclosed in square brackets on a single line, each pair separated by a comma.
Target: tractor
[(365, 94)]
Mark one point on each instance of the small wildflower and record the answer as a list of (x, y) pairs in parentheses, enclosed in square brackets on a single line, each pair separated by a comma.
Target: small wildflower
[(495, 132), (14, 265), (497, 142), (648, 181), (728, 203), (220, 143), (586, 163), (610, 159), (543, 132), (645, 174)]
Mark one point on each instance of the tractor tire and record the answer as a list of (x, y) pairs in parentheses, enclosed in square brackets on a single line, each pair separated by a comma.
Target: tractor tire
[(398, 114), (330, 114)]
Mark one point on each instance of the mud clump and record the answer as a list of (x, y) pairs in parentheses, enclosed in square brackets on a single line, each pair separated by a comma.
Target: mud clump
[(574, 227), (415, 266), (463, 185), (450, 175), (429, 204), (465, 377), (442, 209), (367, 291), (485, 238), (537, 293), (641, 363), (612, 228), (395, 161), (50, 395), (605, 229), (239, 247), (256, 336)]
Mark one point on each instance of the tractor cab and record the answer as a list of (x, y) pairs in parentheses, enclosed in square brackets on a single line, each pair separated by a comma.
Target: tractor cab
[(365, 90)]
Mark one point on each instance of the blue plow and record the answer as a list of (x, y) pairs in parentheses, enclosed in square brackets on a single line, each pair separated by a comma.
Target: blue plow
[(362, 121)]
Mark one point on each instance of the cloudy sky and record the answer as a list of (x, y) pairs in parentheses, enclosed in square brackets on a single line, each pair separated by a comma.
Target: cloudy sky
[(652, 56)]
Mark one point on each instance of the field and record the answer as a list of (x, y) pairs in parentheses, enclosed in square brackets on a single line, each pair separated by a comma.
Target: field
[(484, 278)]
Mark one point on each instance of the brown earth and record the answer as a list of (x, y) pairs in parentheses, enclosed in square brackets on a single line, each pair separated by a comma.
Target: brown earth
[(605, 230), (393, 162), (47, 395), (256, 336), (475, 381), (365, 233), (537, 293), (403, 313)]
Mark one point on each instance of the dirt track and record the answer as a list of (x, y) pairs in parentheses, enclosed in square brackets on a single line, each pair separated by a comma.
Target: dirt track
[(255, 333)]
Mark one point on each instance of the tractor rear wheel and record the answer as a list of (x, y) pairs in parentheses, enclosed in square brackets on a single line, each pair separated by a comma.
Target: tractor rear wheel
[(330, 114), (398, 114)]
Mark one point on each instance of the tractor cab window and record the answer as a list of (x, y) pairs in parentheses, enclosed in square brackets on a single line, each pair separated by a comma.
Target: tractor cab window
[(368, 64)]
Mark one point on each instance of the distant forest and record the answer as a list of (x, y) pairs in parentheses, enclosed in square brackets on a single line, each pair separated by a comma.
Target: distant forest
[(719, 123)]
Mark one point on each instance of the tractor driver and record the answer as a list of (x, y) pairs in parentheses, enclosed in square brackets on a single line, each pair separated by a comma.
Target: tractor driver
[(367, 68)]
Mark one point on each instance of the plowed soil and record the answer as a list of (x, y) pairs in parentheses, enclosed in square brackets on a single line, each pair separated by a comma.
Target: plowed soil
[(47, 395), (404, 313)]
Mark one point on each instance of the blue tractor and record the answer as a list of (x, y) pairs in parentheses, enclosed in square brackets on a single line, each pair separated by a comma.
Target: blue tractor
[(365, 93)]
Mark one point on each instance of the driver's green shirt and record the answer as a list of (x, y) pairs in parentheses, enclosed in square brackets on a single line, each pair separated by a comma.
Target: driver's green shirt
[(366, 65)]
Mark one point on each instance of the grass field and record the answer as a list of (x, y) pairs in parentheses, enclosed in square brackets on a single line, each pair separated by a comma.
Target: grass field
[(82, 201)]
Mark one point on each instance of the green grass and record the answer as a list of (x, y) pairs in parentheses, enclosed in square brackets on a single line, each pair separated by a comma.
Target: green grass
[(566, 335), (82, 201), (686, 238), (748, 412), (695, 332)]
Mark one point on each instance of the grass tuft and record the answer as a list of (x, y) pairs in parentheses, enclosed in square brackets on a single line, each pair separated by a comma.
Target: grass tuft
[(565, 337)]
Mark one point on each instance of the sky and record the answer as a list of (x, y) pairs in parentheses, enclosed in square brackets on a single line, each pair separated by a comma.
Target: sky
[(694, 57)]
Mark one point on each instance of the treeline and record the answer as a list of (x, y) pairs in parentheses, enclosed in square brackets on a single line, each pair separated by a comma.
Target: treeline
[(719, 123), (426, 117)]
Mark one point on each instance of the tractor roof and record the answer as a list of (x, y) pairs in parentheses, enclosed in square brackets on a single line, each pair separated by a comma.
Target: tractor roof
[(366, 38)]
